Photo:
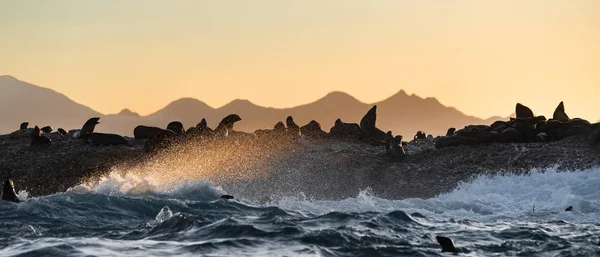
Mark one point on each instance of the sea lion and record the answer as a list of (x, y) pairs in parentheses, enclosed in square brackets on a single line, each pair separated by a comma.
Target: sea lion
[(345, 130), (61, 131), (202, 124), (292, 128), (455, 140), (47, 129), (559, 113), (146, 132), (226, 125), (107, 139), (450, 132), (176, 127), (368, 127), (312, 130), (396, 150), (38, 137), (523, 111), (389, 138), (87, 129), (420, 135), (8, 191), (23, 125), (446, 243), (279, 128)]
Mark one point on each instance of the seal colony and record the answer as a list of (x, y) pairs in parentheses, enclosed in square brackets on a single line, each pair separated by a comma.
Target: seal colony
[(42, 161)]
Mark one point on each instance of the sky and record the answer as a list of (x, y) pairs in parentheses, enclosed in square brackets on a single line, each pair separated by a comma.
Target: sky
[(478, 56)]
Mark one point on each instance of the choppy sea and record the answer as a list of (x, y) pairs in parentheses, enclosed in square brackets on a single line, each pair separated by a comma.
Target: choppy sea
[(129, 216)]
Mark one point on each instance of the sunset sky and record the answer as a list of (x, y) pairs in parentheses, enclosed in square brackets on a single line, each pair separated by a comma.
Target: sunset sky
[(478, 56)]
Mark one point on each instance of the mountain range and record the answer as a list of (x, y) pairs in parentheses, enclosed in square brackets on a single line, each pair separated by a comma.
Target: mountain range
[(402, 113)]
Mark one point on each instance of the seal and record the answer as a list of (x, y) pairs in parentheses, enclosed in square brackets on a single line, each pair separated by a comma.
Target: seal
[(420, 135), (292, 128), (447, 244), (87, 129), (24, 125), (107, 139), (559, 113), (523, 111), (367, 125), (61, 131), (226, 197), (176, 127), (8, 191), (146, 132), (38, 137), (389, 138), (396, 150), (47, 129), (345, 130), (450, 132), (226, 125), (312, 130)]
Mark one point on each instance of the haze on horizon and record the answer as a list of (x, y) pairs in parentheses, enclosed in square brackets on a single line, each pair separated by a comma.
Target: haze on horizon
[(478, 56)]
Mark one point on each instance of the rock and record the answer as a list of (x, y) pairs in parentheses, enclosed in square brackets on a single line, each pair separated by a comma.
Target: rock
[(292, 128), (227, 197), (570, 208), (455, 140), (595, 136), (450, 132), (420, 135), (47, 129)]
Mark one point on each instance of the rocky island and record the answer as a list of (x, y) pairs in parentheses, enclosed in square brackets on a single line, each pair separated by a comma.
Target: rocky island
[(289, 159)]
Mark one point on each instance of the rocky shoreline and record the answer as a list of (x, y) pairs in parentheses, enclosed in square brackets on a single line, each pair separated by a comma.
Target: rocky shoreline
[(271, 163)]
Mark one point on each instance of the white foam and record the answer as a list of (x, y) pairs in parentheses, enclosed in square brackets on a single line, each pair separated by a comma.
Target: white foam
[(487, 198)]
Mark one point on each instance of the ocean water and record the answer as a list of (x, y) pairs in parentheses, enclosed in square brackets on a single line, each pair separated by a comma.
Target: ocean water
[(130, 216)]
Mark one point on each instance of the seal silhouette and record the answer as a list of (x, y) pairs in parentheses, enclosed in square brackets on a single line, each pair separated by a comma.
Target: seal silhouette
[(8, 191)]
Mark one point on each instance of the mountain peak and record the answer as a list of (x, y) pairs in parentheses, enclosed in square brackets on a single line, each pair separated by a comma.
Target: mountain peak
[(127, 112)]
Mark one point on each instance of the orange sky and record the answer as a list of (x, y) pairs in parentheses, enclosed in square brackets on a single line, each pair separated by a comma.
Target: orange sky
[(478, 56)]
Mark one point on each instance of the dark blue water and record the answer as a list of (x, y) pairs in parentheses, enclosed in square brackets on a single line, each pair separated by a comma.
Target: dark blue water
[(492, 216)]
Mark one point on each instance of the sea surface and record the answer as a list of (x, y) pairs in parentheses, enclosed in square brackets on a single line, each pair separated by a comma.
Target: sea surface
[(129, 216)]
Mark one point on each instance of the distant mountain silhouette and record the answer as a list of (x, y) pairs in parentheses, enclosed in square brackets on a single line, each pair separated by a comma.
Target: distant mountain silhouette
[(402, 113)]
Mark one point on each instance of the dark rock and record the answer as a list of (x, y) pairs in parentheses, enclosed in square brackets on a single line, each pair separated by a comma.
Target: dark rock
[(570, 208), (227, 197), (450, 132), (447, 244), (279, 128), (595, 136), (455, 140)]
